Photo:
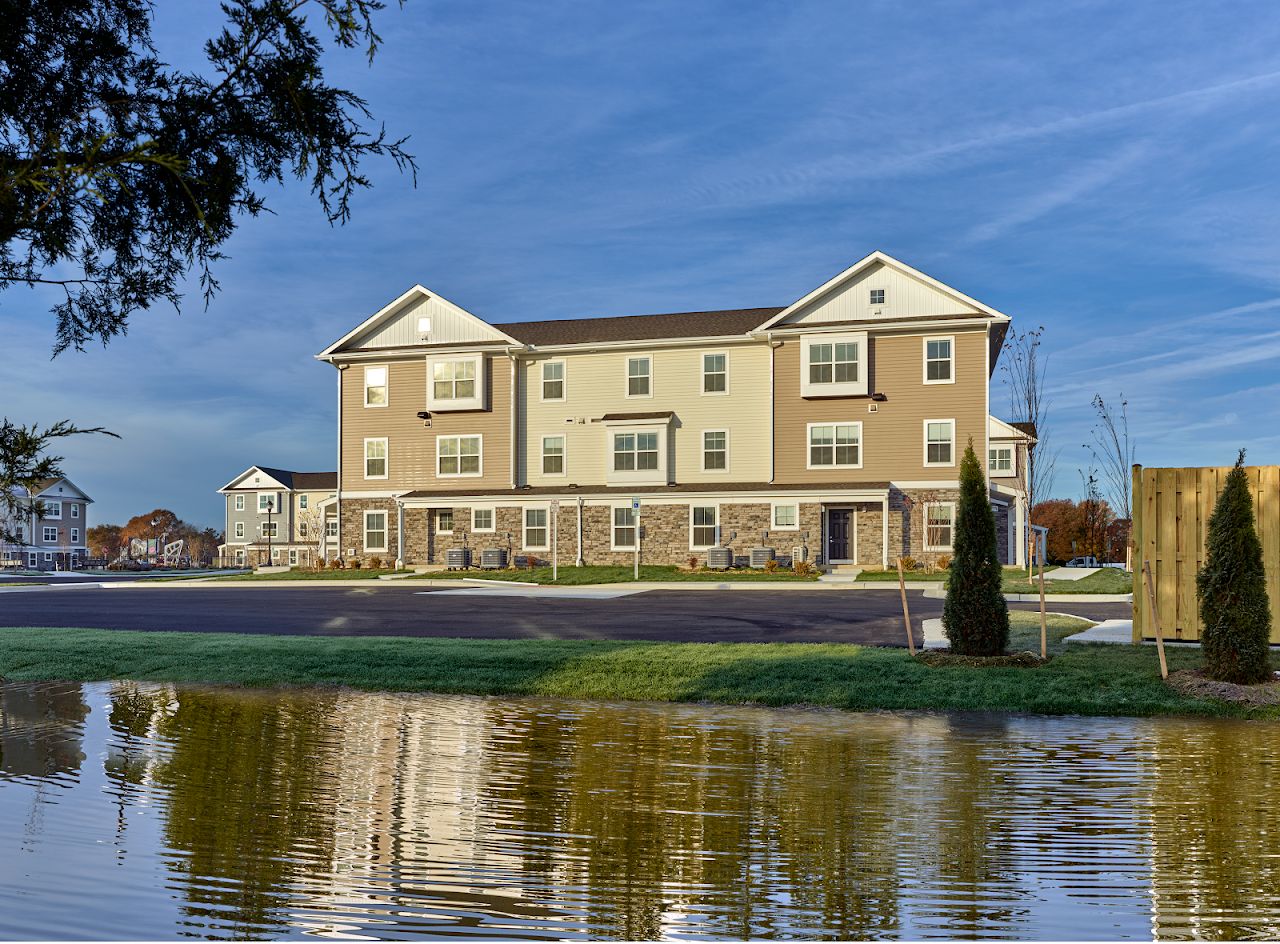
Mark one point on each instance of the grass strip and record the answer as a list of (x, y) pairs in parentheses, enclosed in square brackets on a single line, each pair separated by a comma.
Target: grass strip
[(578, 576), (1107, 580), (1087, 680)]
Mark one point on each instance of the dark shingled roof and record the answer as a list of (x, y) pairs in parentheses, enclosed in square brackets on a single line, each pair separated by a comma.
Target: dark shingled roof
[(589, 490), (1028, 428), (684, 324), (302, 481)]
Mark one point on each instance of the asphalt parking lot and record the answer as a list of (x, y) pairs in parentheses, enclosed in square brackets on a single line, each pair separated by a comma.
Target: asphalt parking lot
[(850, 616)]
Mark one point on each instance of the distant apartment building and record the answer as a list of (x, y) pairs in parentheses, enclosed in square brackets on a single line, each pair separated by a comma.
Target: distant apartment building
[(50, 530), (275, 516), (834, 426)]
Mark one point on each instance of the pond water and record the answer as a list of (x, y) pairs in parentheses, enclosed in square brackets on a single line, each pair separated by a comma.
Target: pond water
[(155, 811)]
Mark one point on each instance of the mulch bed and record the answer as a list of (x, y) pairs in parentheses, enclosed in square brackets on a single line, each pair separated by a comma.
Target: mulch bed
[(1010, 660), (1195, 684)]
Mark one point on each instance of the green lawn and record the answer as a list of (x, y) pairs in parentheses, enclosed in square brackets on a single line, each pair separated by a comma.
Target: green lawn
[(576, 576), (1107, 580), (1090, 680), (306, 573)]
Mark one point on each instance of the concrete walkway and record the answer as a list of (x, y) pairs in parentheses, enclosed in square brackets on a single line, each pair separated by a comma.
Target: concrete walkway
[(1070, 573)]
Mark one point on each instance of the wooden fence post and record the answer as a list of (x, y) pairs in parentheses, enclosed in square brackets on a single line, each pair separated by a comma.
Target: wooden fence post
[(1155, 617), (906, 613)]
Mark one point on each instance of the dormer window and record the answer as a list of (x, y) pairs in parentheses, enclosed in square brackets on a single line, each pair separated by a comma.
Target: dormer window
[(833, 365), (877, 296)]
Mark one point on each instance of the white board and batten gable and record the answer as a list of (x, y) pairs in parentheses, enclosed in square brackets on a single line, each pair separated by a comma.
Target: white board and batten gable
[(255, 478), (419, 317), (63, 489), (879, 288)]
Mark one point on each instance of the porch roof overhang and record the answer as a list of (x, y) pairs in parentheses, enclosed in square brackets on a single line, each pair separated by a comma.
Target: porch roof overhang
[(765, 491)]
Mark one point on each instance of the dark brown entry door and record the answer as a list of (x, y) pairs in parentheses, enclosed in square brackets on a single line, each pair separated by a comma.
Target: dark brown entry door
[(838, 533)]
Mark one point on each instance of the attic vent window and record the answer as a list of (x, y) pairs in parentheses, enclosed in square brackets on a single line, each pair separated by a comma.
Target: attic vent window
[(424, 326), (877, 296)]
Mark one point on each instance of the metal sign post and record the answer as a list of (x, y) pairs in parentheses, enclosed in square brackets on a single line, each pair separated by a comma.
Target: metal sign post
[(555, 534), (635, 520)]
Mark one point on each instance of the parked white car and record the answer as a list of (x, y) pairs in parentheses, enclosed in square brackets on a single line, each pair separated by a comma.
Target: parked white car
[(1082, 562)]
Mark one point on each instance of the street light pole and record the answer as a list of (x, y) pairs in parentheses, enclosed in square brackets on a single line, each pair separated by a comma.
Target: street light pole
[(271, 507)]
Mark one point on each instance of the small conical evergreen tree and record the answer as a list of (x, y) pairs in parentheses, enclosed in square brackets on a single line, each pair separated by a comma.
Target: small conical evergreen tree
[(975, 616), (1235, 614)]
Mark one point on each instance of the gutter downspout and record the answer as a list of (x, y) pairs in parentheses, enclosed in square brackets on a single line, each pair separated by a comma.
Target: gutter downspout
[(337, 551), (399, 534), (514, 406), (579, 561)]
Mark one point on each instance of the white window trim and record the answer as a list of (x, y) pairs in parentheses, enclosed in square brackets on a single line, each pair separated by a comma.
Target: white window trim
[(386, 461), (48, 556), (386, 386), (925, 537), (239, 529), (613, 545), (564, 456), (564, 381), (52, 510), (493, 521), (925, 435), (1012, 471), (702, 451), (524, 528), (716, 506), (808, 445), (75, 535), (302, 502), (452, 524), (293, 557), (44, 534), (275, 529), (626, 377), (75, 510), (461, 475), (476, 402), (773, 520), (702, 374), (656, 476), (884, 296), (386, 531), (924, 355), (848, 388), (271, 499), (239, 503)]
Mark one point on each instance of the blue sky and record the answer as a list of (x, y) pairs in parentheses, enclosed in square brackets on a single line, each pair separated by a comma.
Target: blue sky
[(1104, 170)]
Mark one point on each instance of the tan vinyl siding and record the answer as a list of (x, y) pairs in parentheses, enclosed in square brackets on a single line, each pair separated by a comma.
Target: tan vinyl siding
[(411, 454), (893, 436), (595, 385)]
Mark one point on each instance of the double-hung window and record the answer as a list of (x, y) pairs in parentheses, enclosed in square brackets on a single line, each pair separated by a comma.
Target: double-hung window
[(939, 442), (786, 518), (939, 524), (375, 530), (458, 455), (635, 452), (375, 386), (624, 528), (453, 380), (302, 502), (715, 373), (266, 502), (52, 510), (835, 445), (639, 377), (75, 535), (835, 362), (715, 450), (553, 455), (832, 365), (375, 458), (704, 521), (302, 529), (481, 519), (535, 529), (50, 534), (75, 510), (444, 521), (1001, 460), (939, 360), (239, 529), (553, 380), (269, 529), (331, 528), (239, 503)]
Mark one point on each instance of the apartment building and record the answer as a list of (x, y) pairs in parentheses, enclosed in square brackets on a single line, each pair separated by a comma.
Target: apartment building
[(833, 426), (51, 528), (275, 516)]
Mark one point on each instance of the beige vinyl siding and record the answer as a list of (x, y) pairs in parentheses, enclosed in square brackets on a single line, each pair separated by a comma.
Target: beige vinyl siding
[(595, 384), (411, 447), (893, 436)]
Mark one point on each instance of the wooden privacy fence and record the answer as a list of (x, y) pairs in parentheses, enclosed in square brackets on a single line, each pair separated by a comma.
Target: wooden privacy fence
[(1171, 509)]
